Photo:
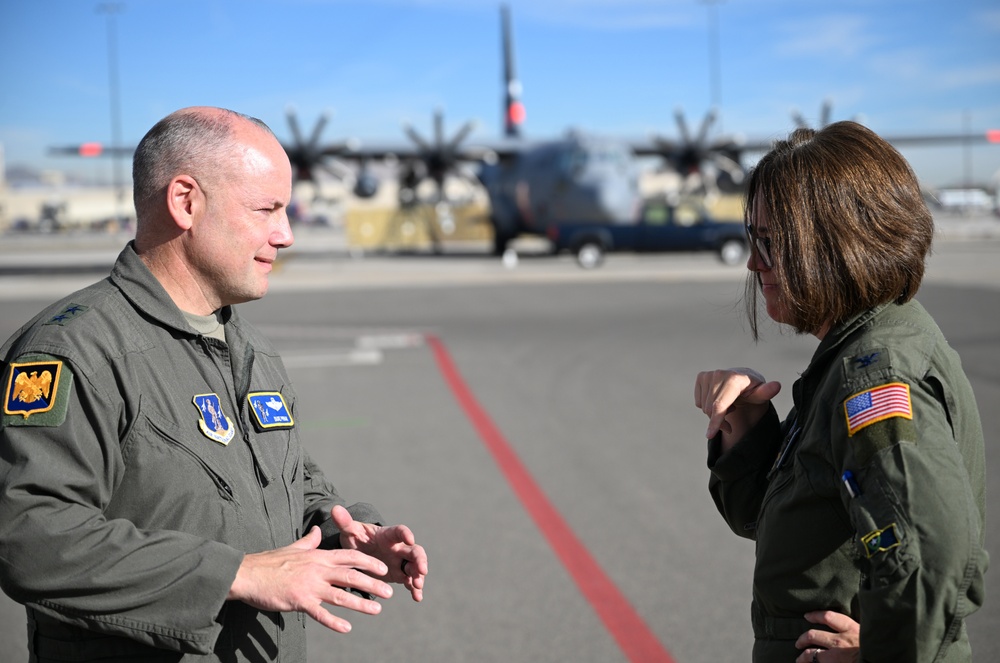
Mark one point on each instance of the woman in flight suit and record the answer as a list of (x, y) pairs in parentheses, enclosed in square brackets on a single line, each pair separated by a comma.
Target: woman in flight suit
[(867, 502)]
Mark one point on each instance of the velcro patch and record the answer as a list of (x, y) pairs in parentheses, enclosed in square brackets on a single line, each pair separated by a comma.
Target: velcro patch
[(37, 393), (270, 410), (877, 404), (880, 540), (213, 422)]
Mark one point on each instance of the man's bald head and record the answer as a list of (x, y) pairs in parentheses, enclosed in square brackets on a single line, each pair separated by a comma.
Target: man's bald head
[(198, 141)]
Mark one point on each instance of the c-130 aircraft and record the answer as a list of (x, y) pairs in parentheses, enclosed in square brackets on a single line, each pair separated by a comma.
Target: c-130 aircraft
[(534, 184)]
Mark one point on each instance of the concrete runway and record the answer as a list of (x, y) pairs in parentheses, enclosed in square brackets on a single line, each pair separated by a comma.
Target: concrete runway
[(586, 377)]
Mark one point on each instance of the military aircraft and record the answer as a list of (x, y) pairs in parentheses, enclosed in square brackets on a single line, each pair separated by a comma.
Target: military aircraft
[(533, 184)]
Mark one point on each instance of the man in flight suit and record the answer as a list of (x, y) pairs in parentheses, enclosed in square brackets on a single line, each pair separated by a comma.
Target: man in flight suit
[(155, 501)]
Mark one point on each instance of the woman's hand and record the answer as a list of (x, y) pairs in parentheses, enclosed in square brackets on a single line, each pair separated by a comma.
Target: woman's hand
[(824, 647), (734, 399)]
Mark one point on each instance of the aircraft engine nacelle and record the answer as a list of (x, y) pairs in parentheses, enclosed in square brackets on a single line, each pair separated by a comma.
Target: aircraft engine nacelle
[(366, 185)]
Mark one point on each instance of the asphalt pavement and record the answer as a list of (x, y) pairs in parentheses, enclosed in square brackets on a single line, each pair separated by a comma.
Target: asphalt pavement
[(522, 417)]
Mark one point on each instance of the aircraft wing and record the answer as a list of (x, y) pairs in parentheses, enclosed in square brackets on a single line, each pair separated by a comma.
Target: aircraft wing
[(991, 136), (91, 150)]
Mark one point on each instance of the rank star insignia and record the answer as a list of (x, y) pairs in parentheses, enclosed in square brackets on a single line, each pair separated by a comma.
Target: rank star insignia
[(32, 388), (213, 423), (69, 313)]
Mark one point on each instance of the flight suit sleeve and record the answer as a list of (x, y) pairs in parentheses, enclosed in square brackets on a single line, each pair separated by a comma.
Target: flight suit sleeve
[(738, 477), (320, 497), (60, 555), (916, 522)]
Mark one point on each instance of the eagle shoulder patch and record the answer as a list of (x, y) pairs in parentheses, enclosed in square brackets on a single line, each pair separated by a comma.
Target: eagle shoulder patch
[(37, 393)]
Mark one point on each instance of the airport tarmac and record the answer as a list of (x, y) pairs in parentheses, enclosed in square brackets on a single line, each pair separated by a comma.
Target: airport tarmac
[(522, 418)]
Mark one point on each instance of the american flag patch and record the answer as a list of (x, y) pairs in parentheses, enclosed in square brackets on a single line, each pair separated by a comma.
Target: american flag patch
[(877, 404)]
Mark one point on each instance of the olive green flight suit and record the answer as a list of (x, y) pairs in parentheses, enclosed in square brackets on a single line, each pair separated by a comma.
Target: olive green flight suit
[(897, 543), (125, 511)]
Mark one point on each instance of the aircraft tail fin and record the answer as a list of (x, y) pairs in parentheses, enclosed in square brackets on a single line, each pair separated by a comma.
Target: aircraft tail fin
[(513, 108)]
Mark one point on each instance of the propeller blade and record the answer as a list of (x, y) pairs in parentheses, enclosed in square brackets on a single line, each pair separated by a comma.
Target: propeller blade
[(416, 138), (706, 124), (682, 125), (461, 135), (438, 128), (293, 123), (825, 112), (730, 166), (318, 129)]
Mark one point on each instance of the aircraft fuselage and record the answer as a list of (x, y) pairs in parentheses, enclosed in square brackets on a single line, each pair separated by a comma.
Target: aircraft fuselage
[(580, 178)]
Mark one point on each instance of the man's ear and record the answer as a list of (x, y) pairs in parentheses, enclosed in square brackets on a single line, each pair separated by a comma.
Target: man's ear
[(185, 201)]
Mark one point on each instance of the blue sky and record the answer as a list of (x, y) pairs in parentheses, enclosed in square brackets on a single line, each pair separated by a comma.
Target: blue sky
[(618, 67)]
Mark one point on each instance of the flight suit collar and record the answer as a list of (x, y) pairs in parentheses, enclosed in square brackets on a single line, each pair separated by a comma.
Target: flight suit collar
[(131, 275), (829, 349)]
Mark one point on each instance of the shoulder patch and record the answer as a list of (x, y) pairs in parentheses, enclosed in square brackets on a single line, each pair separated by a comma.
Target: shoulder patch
[(877, 404), (68, 314), (36, 393), (270, 410)]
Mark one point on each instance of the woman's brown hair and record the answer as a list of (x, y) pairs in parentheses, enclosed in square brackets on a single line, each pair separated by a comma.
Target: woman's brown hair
[(848, 226)]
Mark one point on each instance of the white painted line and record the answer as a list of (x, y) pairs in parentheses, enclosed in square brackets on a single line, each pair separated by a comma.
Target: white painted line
[(357, 357)]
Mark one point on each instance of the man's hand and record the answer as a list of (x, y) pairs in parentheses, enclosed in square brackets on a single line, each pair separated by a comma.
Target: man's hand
[(826, 647), (301, 578), (734, 400), (396, 546)]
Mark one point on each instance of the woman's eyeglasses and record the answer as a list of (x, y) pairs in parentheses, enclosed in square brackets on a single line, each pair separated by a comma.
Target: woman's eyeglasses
[(762, 245)]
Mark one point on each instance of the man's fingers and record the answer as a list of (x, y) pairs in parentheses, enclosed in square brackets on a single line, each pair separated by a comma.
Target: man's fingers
[(341, 517), (343, 599), (358, 579), (328, 619), (350, 560), (310, 541), (404, 535)]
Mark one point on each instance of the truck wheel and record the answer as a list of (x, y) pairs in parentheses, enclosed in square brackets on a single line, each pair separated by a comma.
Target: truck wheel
[(590, 254), (732, 252)]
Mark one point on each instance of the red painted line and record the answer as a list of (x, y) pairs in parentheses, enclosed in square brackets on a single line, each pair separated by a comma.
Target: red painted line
[(634, 637)]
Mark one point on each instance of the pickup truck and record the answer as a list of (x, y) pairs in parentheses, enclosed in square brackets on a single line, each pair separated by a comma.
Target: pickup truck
[(661, 227)]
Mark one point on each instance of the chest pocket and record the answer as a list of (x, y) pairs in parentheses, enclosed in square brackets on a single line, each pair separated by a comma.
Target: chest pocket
[(180, 480), (801, 522)]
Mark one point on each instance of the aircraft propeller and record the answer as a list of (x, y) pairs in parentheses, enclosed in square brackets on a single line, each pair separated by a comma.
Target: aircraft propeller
[(708, 166), (825, 117), (308, 155), (437, 159), (825, 111)]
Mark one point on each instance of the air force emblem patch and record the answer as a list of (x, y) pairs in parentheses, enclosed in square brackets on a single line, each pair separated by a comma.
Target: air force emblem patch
[(270, 410), (213, 423), (32, 388)]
